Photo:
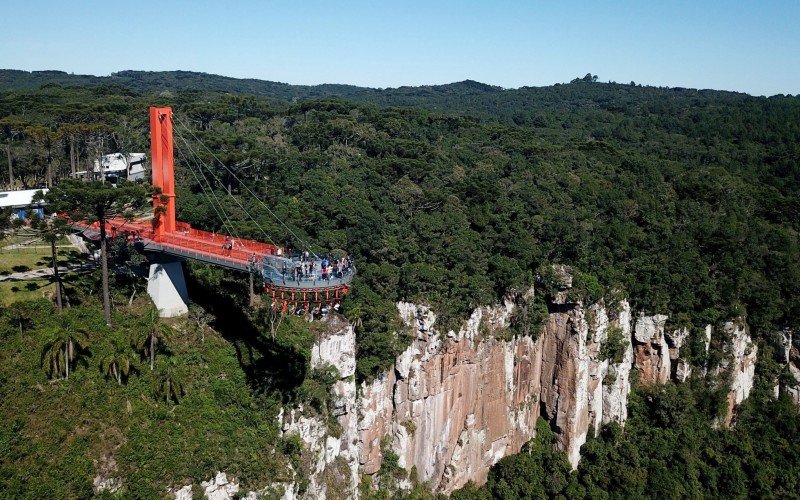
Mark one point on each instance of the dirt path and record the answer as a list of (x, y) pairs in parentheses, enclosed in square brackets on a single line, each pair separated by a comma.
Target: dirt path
[(46, 272)]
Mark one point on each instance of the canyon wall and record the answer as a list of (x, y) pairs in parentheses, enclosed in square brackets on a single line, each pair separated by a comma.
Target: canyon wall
[(790, 357), (454, 403)]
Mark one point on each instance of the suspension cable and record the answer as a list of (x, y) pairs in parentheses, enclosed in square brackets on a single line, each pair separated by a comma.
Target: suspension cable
[(223, 217), (229, 226), (211, 171), (202, 164), (301, 240)]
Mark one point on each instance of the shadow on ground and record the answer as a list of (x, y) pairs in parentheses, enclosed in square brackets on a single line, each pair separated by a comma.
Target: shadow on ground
[(269, 365)]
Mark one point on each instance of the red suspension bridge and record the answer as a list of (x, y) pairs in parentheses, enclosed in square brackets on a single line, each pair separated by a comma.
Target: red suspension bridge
[(293, 282)]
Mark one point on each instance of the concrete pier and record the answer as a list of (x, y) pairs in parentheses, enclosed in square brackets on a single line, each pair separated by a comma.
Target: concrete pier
[(167, 287)]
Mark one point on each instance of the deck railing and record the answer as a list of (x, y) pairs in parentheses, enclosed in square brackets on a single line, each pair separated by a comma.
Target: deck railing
[(244, 255)]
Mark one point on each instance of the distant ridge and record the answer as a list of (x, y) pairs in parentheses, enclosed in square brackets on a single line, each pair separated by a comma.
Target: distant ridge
[(468, 97), (156, 81)]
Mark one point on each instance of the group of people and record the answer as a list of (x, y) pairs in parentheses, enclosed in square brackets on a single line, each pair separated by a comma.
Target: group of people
[(132, 236), (314, 311), (326, 268), (228, 245)]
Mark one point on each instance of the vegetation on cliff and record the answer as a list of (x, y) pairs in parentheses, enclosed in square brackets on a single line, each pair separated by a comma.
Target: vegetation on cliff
[(684, 201), (80, 400), (666, 450)]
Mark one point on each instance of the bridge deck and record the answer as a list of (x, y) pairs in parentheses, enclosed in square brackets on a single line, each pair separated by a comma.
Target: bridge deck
[(244, 255)]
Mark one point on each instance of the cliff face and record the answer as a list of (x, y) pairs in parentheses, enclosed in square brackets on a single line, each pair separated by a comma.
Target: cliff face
[(454, 403), (330, 457), (452, 407), (791, 358), (658, 360), (741, 361)]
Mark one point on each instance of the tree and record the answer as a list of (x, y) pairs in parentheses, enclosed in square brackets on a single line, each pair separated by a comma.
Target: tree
[(43, 144), (118, 363), (11, 130), (153, 331), (168, 383), (5, 221), (51, 230), (539, 471), (97, 201), (65, 344), (20, 314)]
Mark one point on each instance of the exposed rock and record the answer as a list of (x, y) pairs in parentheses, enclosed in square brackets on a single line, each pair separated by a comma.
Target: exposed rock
[(331, 458), (708, 331), (791, 355), (455, 403), (419, 316), (597, 368), (652, 351), (742, 365), (617, 381), (106, 479), (337, 349), (681, 368), (109, 484), (182, 493), (564, 379), (280, 491), (219, 488), (452, 408), (563, 278), (785, 352), (794, 389)]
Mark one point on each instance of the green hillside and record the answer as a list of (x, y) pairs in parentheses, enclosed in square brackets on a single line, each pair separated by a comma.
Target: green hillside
[(684, 201)]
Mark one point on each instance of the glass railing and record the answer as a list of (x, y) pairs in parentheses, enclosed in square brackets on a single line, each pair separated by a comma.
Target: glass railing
[(284, 271)]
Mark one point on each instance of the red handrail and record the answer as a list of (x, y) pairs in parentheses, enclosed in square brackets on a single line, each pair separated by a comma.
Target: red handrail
[(188, 238)]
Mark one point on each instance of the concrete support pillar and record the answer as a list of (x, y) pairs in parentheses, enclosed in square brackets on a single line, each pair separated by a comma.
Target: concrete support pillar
[(167, 287)]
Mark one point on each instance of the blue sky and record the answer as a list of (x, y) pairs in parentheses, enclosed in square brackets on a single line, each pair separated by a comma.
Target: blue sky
[(752, 47)]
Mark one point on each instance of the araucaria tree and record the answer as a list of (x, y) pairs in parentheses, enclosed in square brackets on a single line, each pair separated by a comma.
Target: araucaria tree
[(51, 230), (98, 202)]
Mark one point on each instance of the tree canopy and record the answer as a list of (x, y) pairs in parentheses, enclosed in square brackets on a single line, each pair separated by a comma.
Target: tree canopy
[(685, 201)]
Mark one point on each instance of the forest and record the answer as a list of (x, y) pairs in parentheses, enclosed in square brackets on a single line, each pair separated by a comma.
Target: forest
[(684, 201)]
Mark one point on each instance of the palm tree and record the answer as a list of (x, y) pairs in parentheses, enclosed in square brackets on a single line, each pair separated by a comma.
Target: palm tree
[(19, 313), (62, 350), (118, 363), (154, 331), (168, 384)]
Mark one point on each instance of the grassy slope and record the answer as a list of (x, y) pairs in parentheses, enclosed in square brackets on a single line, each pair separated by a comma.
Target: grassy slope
[(31, 258), (15, 291), (55, 436)]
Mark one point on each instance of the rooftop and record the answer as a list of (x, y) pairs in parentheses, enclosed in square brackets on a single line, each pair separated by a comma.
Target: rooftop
[(18, 199)]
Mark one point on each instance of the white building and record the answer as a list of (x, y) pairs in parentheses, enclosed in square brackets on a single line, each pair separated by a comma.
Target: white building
[(117, 166), (20, 202)]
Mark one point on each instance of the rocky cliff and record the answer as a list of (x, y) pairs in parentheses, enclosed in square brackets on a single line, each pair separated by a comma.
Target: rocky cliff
[(456, 402), (790, 358)]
